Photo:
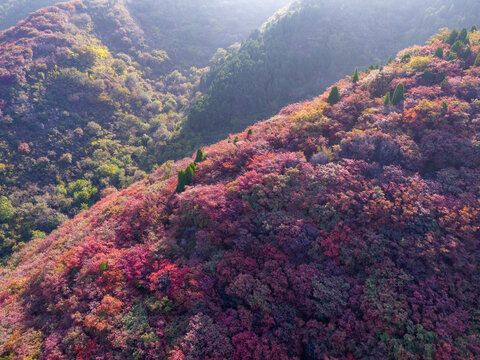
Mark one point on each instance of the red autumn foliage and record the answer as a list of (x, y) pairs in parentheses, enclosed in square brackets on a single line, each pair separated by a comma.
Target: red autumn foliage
[(332, 232)]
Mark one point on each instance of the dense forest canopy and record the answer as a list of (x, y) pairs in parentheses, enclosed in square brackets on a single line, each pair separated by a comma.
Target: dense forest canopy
[(191, 30), (96, 94), (307, 47), (89, 97), (346, 227)]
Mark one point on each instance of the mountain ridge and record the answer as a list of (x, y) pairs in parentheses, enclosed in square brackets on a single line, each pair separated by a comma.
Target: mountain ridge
[(342, 228)]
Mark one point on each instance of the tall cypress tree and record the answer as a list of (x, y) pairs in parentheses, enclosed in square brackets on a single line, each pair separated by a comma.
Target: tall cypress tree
[(466, 54), (334, 96), (189, 172), (453, 36), (463, 35), (355, 76), (398, 95), (387, 100), (182, 181)]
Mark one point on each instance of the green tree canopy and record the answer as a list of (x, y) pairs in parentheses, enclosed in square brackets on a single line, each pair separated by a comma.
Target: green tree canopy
[(398, 95), (334, 96)]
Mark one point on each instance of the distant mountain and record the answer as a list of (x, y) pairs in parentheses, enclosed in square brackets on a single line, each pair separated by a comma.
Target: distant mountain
[(191, 31), (306, 47), (12, 11), (344, 228), (89, 98)]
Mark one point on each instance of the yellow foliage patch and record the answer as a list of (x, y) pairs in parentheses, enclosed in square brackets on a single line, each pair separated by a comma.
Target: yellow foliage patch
[(419, 63)]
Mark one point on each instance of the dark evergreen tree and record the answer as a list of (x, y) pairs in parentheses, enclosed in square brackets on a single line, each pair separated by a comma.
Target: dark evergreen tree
[(457, 46), (453, 36), (427, 75), (334, 96), (439, 52), (473, 28), (444, 106), (463, 35), (477, 60), (189, 172), (387, 100), (199, 157), (398, 95), (355, 76), (182, 181), (467, 53)]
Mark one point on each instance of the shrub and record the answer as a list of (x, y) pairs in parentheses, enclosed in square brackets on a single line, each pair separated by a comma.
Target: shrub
[(419, 63)]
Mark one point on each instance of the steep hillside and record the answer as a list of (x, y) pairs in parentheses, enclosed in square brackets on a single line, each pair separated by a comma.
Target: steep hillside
[(77, 116), (309, 46), (191, 31), (89, 100), (343, 228)]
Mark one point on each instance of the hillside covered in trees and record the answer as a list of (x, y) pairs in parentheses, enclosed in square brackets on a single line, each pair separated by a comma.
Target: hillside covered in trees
[(95, 94), (308, 46), (346, 227), (89, 100)]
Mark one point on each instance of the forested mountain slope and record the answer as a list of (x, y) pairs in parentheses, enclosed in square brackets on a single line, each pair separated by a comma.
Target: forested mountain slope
[(309, 46), (89, 99), (191, 31), (344, 228)]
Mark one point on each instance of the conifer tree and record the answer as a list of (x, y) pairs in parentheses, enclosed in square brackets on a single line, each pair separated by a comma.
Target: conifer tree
[(387, 100), (355, 76), (334, 96), (477, 60), (453, 36), (444, 106), (189, 172), (467, 53), (473, 28), (390, 60), (199, 157), (439, 52), (457, 46), (398, 95), (426, 75), (103, 267), (182, 181), (463, 35)]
